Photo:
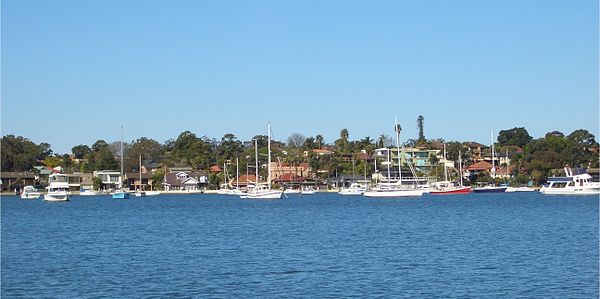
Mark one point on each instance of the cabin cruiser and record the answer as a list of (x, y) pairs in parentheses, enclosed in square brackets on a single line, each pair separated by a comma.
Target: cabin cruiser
[(577, 182), (354, 189), (29, 192), (58, 190)]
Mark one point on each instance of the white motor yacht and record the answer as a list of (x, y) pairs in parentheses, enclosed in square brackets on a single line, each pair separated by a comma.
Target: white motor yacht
[(58, 190), (576, 182)]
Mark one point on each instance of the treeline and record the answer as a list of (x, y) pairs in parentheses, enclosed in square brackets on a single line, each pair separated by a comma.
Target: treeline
[(532, 159)]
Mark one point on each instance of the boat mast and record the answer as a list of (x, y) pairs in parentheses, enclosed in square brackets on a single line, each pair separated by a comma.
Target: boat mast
[(398, 129), (445, 166), (493, 163), (256, 160), (460, 168), (269, 158), (140, 172), (237, 172), (121, 178)]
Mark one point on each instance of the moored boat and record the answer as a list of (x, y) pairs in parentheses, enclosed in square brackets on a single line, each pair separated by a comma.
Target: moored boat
[(58, 190), (353, 189), (576, 182), (29, 192)]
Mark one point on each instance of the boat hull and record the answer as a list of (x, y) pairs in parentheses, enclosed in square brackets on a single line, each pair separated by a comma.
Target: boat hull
[(394, 193), (31, 195), (565, 191), (263, 195), (490, 190), (120, 195), (57, 197), (464, 190)]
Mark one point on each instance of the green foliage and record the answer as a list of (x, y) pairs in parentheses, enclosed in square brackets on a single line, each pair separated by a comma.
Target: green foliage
[(97, 182), (21, 154), (515, 136), (420, 125)]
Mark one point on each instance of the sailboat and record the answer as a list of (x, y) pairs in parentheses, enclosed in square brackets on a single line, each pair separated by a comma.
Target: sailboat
[(264, 191), (354, 188), (491, 188), (447, 187), (140, 193), (394, 189), (120, 193)]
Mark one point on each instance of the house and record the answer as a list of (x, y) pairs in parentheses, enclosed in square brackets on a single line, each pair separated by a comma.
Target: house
[(473, 170), (111, 179), (16, 180), (319, 152), (418, 157), (149, 166), (185, 181), (301, 170), (244, 180), (133, 180)]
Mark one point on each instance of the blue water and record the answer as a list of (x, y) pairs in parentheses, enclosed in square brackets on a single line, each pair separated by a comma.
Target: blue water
[(478, 245)]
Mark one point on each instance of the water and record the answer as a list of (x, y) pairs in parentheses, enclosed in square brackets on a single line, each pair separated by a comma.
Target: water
[(325, 245)]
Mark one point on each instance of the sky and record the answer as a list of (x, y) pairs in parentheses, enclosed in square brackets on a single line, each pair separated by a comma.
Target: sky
[(73, 72)]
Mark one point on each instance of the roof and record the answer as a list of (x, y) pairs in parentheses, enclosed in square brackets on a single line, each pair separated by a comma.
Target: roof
[(322, 151), (288, 177), (17, 175), (245, 179), (136, 175), (215, 168), (480, 166)]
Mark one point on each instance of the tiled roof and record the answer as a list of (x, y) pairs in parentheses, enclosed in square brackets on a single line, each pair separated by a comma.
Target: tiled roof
[(480, 166)]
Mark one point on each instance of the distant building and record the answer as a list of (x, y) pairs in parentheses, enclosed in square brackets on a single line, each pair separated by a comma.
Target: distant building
[(16, 180), (111, 179), (134, 183), (185, 181)]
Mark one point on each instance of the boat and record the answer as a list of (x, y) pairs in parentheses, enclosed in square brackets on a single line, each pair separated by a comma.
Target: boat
[(29, 192), (491, 188), (353, 189), (292, 191), (152, 193), (264, 191), (519, 189), (397, 189), (308, 191), (447, 187), (120, 193), (88, 192), (58, 190), (576, 182)]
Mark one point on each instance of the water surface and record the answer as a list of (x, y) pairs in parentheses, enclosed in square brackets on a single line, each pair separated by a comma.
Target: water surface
[(324, 245)]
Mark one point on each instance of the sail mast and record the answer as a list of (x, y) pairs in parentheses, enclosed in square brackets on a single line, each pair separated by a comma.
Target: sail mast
[(121, 178), (269, 158), (398, 129), (445, 166), (460, 168)]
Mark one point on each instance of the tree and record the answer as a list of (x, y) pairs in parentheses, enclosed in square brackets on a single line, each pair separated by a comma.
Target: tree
[(296, 140), (105, 160), (515, 136), (319, 140), (99, 144), (420, 124), (80, 151), (21, 154)]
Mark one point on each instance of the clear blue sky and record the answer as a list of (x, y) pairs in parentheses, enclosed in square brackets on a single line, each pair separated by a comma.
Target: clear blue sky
[(75, 71)]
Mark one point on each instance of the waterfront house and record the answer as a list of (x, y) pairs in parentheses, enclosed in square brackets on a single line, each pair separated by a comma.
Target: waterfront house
[(149, 166), (134, 183), (111, 179), (244, 180), (185, 181), (16, 180)]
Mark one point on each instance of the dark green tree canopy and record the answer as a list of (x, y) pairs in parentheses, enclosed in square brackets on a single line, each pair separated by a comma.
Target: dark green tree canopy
[(515, 136)]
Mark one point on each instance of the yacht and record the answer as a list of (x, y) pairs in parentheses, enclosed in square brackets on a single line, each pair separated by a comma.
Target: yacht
[(520, 189), (264, 191), (29, 192), (353, 189), (576, 182), (58, 190), (447, 187), (395, 189), (120, 193)]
